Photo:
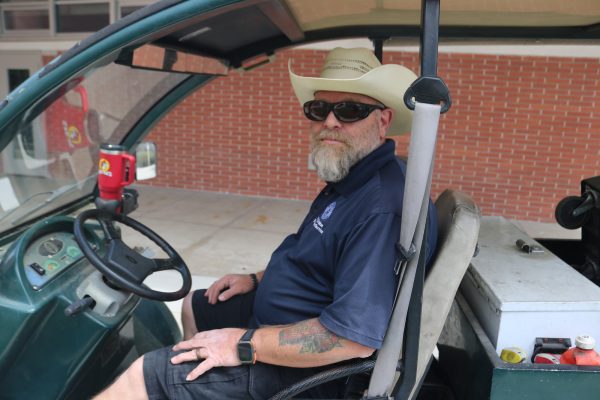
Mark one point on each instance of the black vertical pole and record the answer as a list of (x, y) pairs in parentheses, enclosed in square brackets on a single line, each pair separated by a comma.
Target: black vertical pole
[(378, 46), (429, 88), (428, 51)]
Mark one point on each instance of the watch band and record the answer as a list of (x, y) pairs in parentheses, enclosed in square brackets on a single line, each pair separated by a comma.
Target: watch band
[(245, 347), (254, 281), (247, 335)]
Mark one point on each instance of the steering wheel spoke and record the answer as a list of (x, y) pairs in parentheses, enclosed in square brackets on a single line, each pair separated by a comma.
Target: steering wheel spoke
[(109, 229), (124, 266), (164, 264), (127, 262)]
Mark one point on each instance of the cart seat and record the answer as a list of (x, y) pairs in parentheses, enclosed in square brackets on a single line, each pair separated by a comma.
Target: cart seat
[(458, 229)]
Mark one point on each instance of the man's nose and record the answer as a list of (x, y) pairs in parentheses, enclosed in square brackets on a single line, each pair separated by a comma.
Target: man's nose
[(331, 121)]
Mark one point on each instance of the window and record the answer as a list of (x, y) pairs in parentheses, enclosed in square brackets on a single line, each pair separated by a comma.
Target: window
[(22, 17), (88, 17), (19, 20), (46, 18), (15, 78)]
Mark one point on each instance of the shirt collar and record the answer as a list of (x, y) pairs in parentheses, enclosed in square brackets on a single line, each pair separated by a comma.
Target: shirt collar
[(363, 170)]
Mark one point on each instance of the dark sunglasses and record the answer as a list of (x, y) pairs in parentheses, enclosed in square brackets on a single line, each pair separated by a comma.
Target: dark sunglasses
[(344, 111)]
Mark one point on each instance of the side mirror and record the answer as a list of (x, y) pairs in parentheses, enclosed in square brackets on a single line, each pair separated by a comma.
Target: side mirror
[(145, 155)]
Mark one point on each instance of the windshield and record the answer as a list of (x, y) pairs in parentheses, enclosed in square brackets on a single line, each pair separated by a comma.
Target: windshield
[(52, 158)]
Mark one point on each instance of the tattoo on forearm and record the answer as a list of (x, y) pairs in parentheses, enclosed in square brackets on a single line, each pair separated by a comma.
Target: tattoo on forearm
[(311, 336)]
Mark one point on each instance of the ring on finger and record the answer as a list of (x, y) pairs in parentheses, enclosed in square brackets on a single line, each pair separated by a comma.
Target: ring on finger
[(199, 355)]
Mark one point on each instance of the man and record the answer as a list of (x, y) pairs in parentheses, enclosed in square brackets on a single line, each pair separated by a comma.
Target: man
[(327, 293)]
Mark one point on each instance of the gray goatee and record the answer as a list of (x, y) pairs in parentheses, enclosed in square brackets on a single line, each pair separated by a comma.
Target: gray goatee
[(334, 162)]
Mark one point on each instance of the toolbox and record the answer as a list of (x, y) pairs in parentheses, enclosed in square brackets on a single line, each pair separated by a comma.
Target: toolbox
[(518, 295)]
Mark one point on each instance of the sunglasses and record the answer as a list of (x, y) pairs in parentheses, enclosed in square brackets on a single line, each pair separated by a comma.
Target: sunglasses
[(344, 111)]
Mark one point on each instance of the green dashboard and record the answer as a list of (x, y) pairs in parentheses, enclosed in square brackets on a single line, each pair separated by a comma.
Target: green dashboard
[(49, 346)]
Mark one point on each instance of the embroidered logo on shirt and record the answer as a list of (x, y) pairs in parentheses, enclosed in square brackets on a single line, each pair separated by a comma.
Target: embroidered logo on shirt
[(318, 222), (328, 211)]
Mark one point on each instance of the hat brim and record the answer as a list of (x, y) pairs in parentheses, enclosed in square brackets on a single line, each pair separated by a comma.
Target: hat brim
[(386, 83)]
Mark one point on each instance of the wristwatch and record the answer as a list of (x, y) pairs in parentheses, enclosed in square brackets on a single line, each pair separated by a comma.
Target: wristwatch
[(245, 348), (254, 281)]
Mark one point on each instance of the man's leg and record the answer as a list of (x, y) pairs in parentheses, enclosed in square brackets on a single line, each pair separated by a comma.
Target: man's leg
[(187, 317), (153, 376), (130, 385), (198, 315)]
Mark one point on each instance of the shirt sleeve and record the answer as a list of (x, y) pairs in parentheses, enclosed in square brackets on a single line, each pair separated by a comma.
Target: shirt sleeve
[(365, 282)]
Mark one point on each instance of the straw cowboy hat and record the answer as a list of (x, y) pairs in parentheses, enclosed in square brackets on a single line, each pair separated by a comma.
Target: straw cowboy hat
[(359, 71)]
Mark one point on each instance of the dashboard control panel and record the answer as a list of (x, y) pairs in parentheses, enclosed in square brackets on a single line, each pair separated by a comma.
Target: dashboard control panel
[(48, 256)]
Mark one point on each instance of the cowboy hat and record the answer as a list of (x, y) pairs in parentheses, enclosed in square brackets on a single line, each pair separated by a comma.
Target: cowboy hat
[(359, 71)]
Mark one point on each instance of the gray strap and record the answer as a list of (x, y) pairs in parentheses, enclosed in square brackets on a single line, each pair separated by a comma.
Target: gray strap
[(414, 216), (420, 158)]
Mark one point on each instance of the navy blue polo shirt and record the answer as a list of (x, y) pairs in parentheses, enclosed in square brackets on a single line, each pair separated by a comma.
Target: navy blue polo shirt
[(339, 266)]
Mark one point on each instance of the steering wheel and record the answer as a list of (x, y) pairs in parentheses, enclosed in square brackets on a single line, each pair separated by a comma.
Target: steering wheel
[(125, 267)]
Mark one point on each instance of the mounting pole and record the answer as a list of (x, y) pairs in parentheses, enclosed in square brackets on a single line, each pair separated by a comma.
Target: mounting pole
[(378, 48), (429, 88)]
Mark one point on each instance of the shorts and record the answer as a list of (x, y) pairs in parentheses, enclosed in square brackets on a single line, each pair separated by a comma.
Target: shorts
[(233, 313), (164, 380), (167, 381)]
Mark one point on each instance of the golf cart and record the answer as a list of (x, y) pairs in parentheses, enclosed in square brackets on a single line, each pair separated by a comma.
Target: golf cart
[(74, 309)]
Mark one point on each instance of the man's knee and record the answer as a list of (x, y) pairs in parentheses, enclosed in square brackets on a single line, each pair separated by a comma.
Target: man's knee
[(136, 377)]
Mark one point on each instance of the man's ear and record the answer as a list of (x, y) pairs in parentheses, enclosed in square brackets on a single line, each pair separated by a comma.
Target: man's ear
[(386, 119)]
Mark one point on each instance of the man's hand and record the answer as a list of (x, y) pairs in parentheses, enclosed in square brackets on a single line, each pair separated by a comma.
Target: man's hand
[(216, 348), (234, 283)]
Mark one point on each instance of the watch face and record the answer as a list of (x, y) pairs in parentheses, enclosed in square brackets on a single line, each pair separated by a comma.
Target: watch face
[(245, 352)]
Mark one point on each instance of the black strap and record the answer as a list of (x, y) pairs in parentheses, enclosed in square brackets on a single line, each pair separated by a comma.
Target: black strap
[(254, 281), (248, 335)]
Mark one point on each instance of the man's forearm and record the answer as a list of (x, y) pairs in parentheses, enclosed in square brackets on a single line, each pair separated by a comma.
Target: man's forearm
[(304, 344)]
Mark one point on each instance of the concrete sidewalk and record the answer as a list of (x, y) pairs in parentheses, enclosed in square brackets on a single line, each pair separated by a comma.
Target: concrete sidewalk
[(219, 233)]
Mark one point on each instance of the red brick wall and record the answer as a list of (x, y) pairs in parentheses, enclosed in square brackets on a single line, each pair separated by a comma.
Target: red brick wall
[(520, 135)]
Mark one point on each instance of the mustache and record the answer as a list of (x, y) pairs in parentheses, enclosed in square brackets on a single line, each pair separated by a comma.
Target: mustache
[(330, 135)]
